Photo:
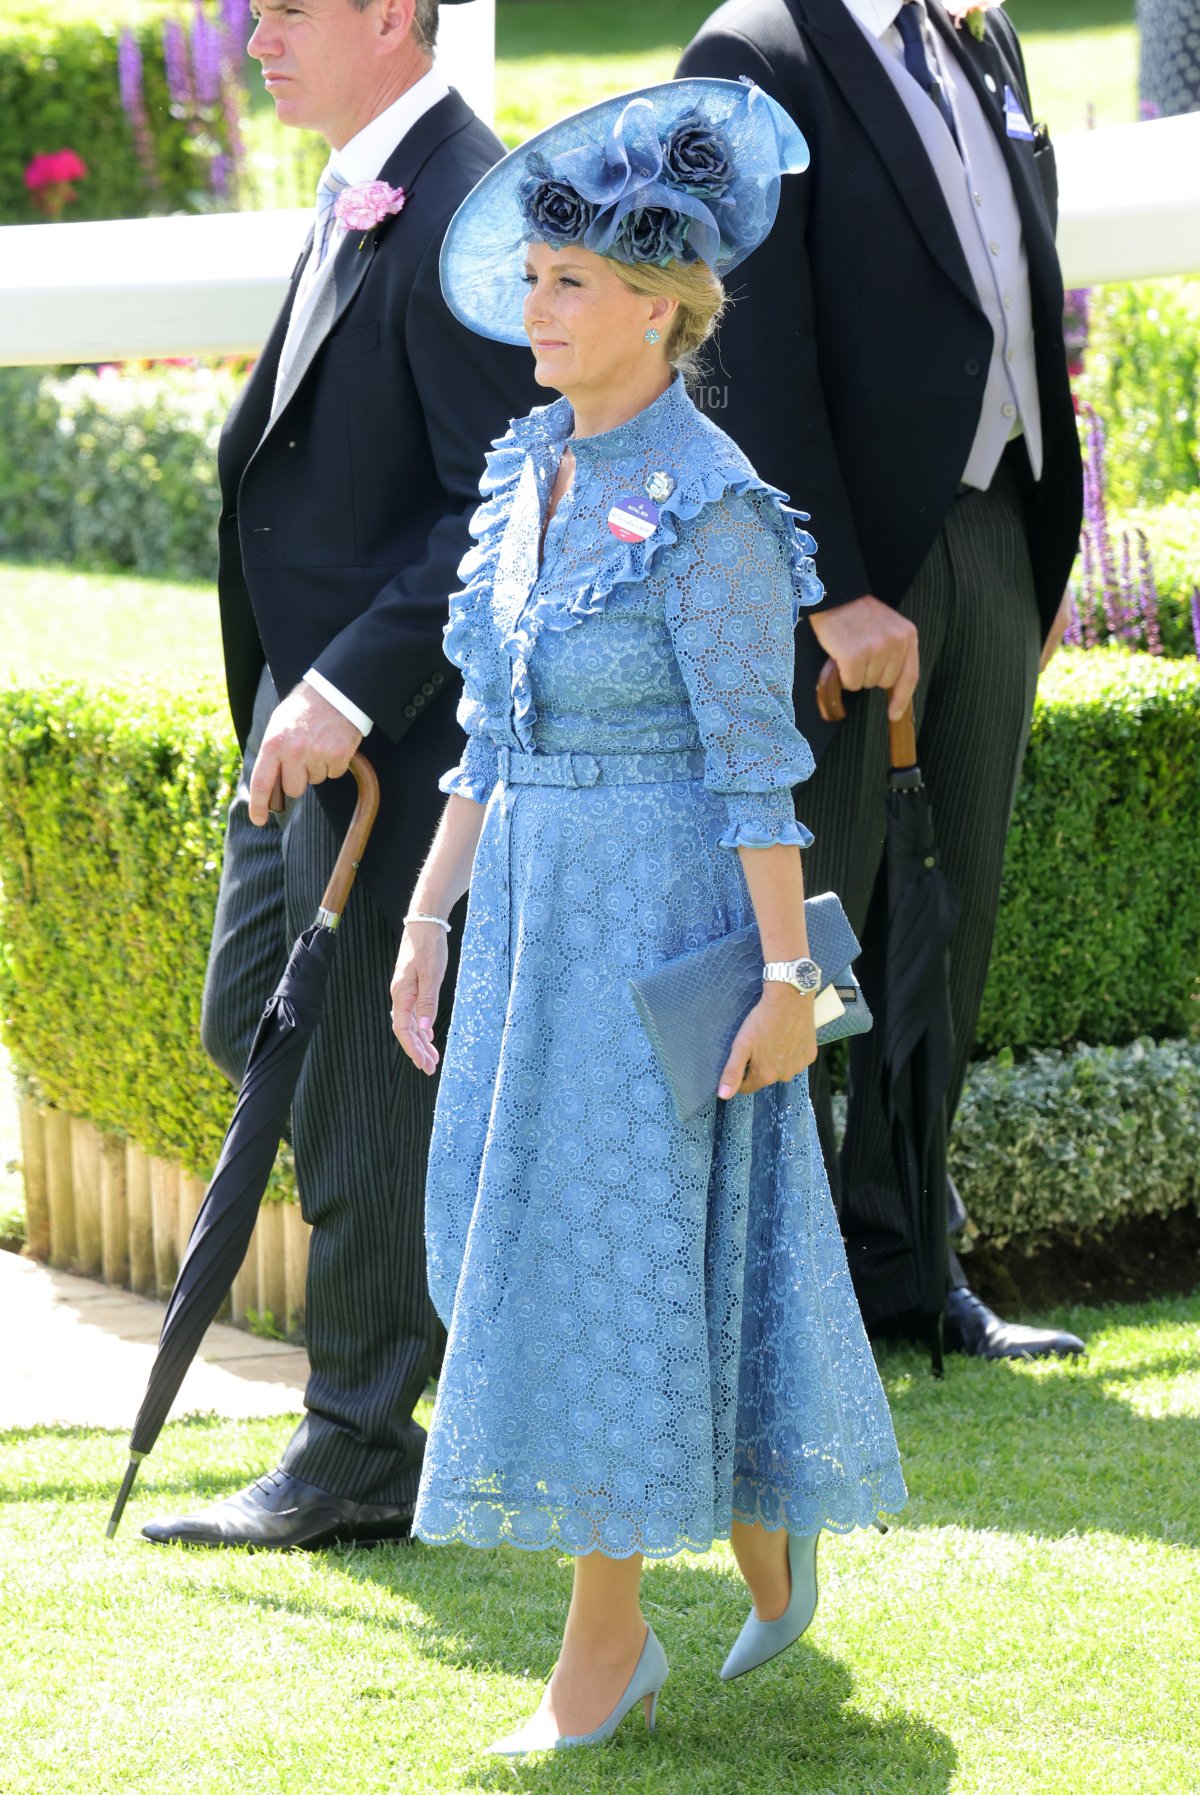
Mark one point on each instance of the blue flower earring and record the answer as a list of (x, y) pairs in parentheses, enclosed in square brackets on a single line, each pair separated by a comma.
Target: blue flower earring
[(652, 335)]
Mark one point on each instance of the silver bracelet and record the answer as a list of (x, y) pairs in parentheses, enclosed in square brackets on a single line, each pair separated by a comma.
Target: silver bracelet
[(420, 916)]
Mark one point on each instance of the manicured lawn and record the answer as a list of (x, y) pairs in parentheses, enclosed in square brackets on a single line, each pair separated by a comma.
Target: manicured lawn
[(58, 624), (552, 58), (1028, 1627)]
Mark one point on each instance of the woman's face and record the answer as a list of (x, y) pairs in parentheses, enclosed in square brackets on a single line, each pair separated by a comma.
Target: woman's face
[(586, 328)]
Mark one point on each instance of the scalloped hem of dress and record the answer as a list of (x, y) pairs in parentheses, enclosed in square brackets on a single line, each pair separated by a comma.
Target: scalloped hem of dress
[(882, 1510)]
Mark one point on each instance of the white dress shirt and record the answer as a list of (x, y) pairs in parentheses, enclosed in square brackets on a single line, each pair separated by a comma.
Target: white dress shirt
[(978, 192), (359, 160)]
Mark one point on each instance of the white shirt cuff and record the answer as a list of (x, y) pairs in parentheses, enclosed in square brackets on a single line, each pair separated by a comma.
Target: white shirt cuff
[(339, 701)]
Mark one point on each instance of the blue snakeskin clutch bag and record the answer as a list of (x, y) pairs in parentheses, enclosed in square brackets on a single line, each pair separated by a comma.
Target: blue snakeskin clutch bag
[(692, 1007)]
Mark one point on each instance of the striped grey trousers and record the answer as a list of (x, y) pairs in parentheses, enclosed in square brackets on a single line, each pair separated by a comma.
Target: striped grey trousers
[(360, 1129), (974, 606)]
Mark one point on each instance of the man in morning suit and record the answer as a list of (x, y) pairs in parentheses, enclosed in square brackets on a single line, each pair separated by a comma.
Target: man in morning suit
[(349, 469), (894, 360)]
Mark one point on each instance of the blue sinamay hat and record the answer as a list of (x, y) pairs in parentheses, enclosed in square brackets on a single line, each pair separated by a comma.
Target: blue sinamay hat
[(686, 171)]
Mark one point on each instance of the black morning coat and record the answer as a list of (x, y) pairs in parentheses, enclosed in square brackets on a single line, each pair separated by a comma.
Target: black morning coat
[(342, 527), (851, 370)]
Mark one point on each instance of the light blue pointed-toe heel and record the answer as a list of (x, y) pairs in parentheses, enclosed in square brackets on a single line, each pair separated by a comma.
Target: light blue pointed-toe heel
[(645, 1686), (761, 1640)]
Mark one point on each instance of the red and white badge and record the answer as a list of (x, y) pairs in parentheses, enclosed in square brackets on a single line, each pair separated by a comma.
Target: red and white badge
[(633, 518)]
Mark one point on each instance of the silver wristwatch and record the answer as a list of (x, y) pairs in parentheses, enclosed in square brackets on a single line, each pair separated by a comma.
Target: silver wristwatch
[(804, 975)]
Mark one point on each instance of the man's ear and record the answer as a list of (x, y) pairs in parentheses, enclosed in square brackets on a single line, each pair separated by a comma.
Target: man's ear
[(396, 18)]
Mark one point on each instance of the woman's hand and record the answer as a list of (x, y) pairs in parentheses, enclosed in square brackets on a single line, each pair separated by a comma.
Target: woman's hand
[(775, 1043), (416, 982)]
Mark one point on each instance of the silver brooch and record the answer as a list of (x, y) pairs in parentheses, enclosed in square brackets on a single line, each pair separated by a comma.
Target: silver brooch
[(660, 487)]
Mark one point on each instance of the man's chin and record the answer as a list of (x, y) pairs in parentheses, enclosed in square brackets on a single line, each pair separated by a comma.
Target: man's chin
[(289, 108)]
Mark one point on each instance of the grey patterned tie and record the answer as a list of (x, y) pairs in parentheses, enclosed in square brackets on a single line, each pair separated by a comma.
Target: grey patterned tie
[(328, 188), (910, 23)]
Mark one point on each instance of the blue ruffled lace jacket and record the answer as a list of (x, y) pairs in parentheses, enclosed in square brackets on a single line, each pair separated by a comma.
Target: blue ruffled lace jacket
[(690, 632)]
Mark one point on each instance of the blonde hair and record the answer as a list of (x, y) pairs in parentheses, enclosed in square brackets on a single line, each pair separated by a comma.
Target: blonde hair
[(701, 300)]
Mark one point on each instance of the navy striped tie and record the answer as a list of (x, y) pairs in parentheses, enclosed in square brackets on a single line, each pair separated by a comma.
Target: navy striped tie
[(909, 23)]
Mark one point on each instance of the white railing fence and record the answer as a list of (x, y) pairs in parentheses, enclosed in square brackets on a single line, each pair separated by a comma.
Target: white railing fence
[(1129, 209)]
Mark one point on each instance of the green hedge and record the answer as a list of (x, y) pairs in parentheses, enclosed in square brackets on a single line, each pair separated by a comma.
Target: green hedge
[(111, 822), (116, 469), (59, 89), (111, 818), (113, 470), (1073, 1143), (1099, 930)]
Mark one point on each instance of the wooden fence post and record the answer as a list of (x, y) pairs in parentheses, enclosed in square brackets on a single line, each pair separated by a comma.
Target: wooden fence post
[(140, 1209), (272, 1271), (164, 1210), (33, 1162), (191, 1195), (85, 1181), (114, 1211), (295, 1257), (60, 1199), (244, 1295)]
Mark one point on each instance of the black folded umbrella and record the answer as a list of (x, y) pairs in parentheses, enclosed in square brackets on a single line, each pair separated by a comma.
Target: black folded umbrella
[(916, 1027), (918, 1031), (222, 1229)]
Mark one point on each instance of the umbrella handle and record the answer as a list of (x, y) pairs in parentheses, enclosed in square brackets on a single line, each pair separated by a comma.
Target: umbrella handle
[(902, 735), (365, 811)]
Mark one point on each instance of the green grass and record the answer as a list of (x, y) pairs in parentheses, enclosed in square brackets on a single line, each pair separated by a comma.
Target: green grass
[(552, 58), (110, 628), (1028, 1627)]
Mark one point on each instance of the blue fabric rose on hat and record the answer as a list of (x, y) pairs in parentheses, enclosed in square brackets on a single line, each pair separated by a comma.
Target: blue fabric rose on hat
[(652, 234), (698, 158), (554, 211)]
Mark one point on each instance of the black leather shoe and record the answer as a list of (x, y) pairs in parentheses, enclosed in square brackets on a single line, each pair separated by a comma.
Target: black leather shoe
[(280, 1512), (971, 1327)]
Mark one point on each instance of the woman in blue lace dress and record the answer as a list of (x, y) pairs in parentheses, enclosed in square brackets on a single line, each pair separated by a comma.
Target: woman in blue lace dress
[(653, 1340)]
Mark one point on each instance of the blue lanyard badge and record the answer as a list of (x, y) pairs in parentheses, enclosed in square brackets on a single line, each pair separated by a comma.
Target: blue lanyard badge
[(1015, 122)]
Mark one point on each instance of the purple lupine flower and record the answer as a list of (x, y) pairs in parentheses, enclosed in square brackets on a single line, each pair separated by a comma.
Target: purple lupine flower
[(1196, 618), (208, 56), (236, 22), (1125, 603), (1148, 595), (1103, 590), (1073, 634), (178, 64), (220, 172), (1087, 591), (133, 101), (129, 70), (1076, 307)]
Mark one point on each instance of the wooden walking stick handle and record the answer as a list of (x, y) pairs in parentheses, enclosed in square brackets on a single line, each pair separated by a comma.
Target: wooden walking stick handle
[(902, 735), (365, 811)]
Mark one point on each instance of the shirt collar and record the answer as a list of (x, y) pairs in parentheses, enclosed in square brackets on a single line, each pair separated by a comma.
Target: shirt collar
[(366, 153), (874, 15)]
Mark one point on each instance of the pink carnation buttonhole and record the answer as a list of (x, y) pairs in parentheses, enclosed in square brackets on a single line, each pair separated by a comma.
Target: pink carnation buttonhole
[(362, 207)]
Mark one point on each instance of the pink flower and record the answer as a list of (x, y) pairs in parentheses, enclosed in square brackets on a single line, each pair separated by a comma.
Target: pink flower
[(970, 13), (48, 170), (366, 205)]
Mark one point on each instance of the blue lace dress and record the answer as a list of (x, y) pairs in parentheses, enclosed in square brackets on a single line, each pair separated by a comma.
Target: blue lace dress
[(652, 1329)]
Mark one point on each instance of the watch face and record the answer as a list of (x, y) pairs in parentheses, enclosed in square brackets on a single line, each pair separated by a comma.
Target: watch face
[(807, 975)]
